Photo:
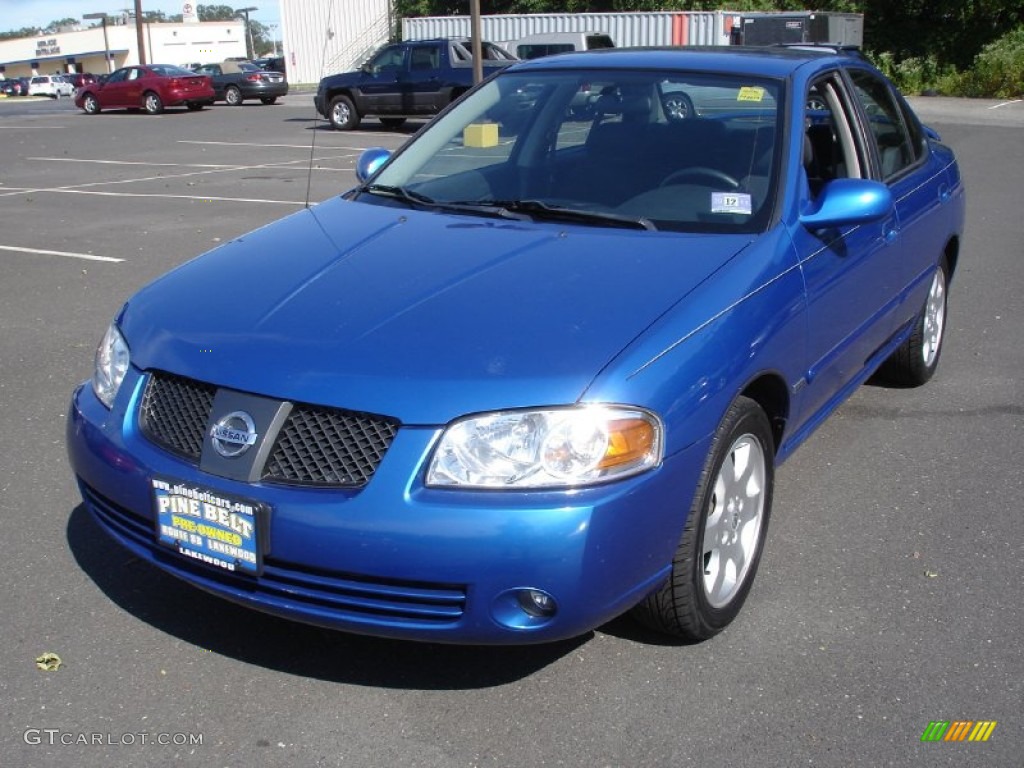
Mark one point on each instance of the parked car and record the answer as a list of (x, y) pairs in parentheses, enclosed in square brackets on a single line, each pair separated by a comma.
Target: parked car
[(78, 79), (15, 86), (54, 86), (533, 372), (236, 81), (152, 88)]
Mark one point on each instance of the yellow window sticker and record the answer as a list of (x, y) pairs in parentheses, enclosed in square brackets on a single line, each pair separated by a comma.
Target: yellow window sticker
[(751, 93)]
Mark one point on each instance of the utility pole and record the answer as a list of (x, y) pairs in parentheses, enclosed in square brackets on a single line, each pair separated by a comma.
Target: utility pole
[(249, 46), (139, 34), (474, 33)]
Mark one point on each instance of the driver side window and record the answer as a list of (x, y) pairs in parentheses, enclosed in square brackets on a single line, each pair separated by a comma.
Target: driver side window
[(389, 58)]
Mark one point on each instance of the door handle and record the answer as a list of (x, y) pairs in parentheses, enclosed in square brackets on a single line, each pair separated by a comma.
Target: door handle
[(890, 230)]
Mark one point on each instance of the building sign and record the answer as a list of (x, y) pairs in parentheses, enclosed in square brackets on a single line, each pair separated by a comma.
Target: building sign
[(47, 47), (188, 13)]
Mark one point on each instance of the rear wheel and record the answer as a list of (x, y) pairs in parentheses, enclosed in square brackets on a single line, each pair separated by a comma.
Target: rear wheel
[(720, 549), (90, 104), (152, 103), (342, 114), (233, 96), (914, 362)]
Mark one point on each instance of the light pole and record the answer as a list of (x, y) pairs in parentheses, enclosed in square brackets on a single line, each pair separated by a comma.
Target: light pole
[(273, 37), (248, 30), (106, 41)]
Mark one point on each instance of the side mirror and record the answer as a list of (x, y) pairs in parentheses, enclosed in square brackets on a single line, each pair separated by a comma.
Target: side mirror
[(845, 202), (370, 162)]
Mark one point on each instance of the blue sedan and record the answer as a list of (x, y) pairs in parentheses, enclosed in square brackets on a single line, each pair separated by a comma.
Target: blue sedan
[(538, 369)]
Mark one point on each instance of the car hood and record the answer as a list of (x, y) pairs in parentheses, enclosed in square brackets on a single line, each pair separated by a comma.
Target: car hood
[(421, 316)]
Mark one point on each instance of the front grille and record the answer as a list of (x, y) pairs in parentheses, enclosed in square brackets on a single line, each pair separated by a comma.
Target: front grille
[(174, 414), (316, 445), (315, 593), (323, 446)]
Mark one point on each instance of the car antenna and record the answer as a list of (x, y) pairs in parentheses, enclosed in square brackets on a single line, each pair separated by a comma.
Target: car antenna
[(328, 34)]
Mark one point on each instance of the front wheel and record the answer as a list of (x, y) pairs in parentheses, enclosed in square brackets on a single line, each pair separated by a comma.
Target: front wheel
[(152, 103), (720, 549), (914, 362), (90, 104), (233, 96), (342, 114)]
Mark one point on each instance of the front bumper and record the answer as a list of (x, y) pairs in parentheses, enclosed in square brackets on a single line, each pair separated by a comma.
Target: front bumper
[(396, 559)]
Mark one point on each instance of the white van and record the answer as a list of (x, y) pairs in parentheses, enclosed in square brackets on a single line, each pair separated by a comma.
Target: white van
[(535, 46)]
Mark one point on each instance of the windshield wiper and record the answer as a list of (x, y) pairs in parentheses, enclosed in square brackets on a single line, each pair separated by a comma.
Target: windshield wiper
[(401, 193), (483, 207), (541, 210)]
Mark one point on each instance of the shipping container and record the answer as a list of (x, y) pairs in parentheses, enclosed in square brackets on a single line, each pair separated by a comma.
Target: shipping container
[(625, 29), (802, 27)]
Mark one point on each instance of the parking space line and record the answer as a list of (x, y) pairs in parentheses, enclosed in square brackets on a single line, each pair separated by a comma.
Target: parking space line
[(66, 254), (286, 146), (163, 196), (132, 162)]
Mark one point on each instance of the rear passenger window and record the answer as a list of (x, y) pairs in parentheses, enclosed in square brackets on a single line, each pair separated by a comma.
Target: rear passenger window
[(831, 149), (897, 149)]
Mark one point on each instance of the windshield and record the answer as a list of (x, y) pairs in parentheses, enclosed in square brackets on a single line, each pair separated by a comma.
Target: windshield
[(682, 151)]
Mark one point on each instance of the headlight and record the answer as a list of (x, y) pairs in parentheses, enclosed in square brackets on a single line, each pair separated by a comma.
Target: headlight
[(110, 366), (552, 447)]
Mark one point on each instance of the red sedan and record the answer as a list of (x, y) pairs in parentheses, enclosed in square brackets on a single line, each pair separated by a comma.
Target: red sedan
[(151, 87)]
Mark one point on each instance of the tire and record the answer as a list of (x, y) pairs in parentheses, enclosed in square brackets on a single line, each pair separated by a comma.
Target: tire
[(915, 361), (678, 106), (717, 557), (90, 104), (152, 103), (392, 122), (342, 114), (233, 96), (269, 99)]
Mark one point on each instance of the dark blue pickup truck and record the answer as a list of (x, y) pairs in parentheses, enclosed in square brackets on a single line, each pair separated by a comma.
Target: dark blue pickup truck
[(418, 78)]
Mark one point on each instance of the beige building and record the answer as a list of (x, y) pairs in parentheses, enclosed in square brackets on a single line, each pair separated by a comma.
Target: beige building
[(103, 49)]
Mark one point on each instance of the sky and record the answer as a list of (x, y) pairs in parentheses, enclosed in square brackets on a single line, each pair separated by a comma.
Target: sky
[(16, 14)]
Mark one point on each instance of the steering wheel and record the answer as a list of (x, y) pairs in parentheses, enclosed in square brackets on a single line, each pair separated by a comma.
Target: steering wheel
[(701, 172)]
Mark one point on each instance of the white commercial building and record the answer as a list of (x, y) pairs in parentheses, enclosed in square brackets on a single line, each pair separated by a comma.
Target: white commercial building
[(104, 48)]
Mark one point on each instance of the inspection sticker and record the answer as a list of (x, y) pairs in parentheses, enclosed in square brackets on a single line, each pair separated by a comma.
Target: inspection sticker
[(731, 202), (208, 526), (750, 93)]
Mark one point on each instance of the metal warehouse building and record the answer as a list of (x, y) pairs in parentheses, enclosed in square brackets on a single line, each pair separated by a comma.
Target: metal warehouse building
[(323, 37)]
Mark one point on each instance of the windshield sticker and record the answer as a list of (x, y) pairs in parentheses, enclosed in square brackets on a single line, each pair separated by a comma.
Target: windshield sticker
[(730, 202), (751, 93)]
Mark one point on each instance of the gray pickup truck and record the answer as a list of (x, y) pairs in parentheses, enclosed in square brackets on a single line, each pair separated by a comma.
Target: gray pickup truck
[(418, 78)]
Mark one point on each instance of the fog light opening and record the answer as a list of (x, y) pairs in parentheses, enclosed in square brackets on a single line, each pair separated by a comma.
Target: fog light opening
[(537, 603)]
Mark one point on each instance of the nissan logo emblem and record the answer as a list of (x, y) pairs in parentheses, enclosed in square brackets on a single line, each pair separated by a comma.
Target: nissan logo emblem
[(233, 434)]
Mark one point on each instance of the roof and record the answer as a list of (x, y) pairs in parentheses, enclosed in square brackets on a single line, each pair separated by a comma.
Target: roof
[(775, 61)]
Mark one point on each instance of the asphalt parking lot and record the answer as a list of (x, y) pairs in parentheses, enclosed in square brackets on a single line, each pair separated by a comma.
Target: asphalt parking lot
[(888, 596)]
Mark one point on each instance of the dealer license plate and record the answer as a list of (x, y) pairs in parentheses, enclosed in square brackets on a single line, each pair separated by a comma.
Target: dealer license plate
[(208, 526)]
